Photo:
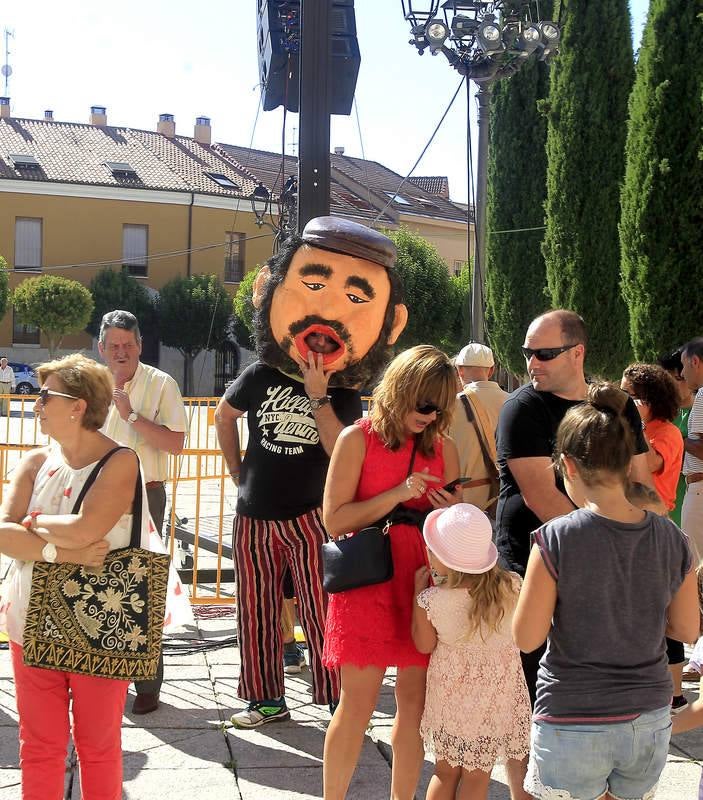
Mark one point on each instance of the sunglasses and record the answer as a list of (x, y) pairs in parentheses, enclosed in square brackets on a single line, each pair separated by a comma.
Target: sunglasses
[(428, 408), (45, 394), (546, 353)]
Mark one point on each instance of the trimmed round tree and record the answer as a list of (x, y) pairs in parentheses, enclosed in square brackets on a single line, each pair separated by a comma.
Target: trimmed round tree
[(587, 114), (54, 304), (243, 311), (517, 186), (113, 289), (4, 288), (193, 316), (661, 230), (428, 290)]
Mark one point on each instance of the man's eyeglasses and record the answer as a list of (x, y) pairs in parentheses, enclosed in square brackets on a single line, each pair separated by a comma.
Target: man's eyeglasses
[(546, 353), (45, 394), (428, 408)]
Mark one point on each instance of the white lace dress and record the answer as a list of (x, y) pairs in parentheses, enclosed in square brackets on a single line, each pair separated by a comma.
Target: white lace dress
[(477, 709)]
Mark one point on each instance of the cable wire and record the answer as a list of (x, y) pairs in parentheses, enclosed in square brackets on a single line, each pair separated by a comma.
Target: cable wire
[(419, 158)]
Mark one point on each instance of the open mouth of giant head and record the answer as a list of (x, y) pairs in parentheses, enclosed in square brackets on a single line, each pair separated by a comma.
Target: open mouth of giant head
[(320, 339)]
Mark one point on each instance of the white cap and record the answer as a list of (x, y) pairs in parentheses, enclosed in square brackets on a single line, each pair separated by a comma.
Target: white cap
[(475, 355)]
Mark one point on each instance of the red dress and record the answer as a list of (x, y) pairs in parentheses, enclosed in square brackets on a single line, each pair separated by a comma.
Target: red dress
[(370, 626)]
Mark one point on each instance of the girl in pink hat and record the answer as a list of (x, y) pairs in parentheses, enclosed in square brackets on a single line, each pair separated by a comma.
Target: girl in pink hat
[(477, 709)]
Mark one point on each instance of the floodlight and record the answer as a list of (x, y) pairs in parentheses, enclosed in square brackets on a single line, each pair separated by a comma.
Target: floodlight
[(436, 33), (489, 35)]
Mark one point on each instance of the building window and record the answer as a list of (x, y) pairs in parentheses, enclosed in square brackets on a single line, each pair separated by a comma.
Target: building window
[(28, 235), (22, 333), (234, 257), (458, 267), (135, 240), (222, 180)]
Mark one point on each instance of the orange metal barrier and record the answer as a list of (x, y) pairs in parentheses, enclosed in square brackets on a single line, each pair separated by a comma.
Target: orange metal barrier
[(20, 426)]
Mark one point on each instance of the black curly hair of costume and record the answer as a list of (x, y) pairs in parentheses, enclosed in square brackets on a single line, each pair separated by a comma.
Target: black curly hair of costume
[(362, 374)]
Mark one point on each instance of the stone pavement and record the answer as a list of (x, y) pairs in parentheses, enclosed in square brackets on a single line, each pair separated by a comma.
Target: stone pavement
[(187, 748)]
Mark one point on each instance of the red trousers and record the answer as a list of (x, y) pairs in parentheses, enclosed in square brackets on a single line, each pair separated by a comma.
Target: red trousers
[(42, 704), (262, 550)]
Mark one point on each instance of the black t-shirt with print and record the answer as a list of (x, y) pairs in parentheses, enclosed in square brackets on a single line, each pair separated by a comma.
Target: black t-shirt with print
[(284, 468), (527, 428)]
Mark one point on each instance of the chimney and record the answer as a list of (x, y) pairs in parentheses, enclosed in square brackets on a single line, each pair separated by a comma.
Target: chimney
[(203, 131), (339, 151), (49, 115), (167, 125), (98, 115), (4, 108)]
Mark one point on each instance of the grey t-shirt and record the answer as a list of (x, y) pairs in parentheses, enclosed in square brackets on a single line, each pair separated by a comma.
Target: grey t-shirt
[(606, 656)]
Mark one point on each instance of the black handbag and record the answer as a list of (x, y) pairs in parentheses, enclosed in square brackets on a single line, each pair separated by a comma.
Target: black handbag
[(108, 622), (364, 558)]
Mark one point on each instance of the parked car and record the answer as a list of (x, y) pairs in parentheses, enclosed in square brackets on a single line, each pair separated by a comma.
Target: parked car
[(25, 379)]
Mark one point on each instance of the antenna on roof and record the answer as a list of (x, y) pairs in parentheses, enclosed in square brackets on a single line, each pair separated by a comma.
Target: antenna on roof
[(6, 69)]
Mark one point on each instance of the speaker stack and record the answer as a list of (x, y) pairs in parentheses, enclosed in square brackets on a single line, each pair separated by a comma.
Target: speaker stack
[(278, 33)]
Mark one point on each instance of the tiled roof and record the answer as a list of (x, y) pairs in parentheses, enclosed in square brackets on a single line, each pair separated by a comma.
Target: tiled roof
[(75, 153), (433, 184)]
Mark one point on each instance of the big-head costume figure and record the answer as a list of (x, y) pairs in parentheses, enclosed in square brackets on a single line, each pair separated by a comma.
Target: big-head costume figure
[(328, 308)]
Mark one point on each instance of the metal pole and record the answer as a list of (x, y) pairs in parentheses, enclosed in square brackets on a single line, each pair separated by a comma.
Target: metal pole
[(477, 286), (314, 145)]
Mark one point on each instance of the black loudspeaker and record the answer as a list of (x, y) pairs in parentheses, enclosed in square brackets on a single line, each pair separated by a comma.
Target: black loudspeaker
[(278, 39)]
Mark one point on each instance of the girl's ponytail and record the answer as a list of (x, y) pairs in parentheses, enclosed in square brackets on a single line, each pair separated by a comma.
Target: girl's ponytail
[(493, 593)]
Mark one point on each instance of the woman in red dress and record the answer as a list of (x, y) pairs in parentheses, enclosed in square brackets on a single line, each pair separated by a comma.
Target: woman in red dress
[(368, 629)]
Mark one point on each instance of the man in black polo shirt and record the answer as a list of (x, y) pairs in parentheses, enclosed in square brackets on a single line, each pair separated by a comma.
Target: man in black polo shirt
[(530, 491), (328, 308)]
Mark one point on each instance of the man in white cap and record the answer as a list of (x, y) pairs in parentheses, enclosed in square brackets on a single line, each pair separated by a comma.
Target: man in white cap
[(474, 424)]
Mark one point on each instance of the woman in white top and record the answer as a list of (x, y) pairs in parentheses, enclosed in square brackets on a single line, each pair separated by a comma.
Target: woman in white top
[(36, 524)]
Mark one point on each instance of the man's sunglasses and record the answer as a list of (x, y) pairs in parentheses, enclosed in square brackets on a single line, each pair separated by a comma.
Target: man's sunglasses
[(45, 394), (428, 408), (546, 353)]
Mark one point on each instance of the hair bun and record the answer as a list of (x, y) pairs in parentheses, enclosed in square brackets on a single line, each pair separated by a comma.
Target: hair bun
[(607, 397)]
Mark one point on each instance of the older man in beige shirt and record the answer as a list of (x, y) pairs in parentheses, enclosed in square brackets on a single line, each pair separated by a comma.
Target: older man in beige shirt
[(474, 424)]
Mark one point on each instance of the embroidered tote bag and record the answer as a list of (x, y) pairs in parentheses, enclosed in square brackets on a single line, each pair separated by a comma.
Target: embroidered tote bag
[(108, 622)]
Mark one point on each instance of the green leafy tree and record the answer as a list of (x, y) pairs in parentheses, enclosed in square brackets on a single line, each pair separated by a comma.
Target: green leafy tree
[(458, 331), (112, 289), (661, 230), (4, 288), (428, 290), (517, 187), (193, 316), (587, 114), (56, 305), (243, 308)]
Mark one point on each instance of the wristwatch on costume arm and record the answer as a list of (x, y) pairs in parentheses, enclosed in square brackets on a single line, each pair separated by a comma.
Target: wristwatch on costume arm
[(316, 403), (132, 417)]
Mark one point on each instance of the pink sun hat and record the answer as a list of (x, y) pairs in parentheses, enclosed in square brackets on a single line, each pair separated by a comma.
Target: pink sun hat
[(461, 538)]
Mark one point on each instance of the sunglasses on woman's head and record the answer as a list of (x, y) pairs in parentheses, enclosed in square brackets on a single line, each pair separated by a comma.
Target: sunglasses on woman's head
[(546, 353), (428, 408), (45, 394)]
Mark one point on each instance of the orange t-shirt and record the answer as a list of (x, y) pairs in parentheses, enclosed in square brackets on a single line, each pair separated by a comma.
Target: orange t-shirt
[(665, 438)]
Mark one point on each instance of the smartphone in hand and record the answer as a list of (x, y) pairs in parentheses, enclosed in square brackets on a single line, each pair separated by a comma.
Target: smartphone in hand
[(451, 486)]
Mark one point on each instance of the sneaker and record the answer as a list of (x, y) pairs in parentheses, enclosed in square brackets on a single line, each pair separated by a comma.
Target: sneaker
[(261, 712), (293, 658), (678, 704)]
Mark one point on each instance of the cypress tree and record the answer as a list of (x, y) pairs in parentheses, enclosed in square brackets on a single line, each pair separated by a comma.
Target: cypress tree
[(517, 166), (587, 114), (661, 230)]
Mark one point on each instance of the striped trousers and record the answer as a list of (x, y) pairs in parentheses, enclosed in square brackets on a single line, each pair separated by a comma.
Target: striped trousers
[(261, 550)]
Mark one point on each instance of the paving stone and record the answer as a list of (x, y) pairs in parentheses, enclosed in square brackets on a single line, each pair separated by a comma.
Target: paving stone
[(167, 748), (370, 783)]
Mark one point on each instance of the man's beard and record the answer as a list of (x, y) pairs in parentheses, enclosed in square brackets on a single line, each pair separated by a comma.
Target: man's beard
[(361, 374)]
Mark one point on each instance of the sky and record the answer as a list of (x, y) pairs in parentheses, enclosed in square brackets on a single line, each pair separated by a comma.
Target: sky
[(141, 58)]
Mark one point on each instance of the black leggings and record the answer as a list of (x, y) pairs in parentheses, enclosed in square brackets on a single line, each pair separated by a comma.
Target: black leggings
[(674, 651)]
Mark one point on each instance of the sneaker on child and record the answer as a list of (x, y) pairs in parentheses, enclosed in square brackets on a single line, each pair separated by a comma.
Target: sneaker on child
[(261, 712), (678, 703), (293, 658)]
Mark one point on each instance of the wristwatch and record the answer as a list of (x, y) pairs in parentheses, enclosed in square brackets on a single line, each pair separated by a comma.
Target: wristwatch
[(318, 402), (49, 553), (132, 417)]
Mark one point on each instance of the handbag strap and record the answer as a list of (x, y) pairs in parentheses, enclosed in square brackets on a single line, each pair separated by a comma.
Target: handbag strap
[(135, 537)]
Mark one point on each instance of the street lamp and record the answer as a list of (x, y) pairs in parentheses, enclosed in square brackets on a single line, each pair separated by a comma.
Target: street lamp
[(484, 41), (285, 221)]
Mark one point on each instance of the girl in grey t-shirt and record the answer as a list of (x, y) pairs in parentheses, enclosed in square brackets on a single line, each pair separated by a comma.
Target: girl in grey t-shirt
[(603, 585)]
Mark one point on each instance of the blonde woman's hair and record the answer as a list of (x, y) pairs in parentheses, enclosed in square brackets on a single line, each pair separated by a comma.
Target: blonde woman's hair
[(417, 376), (493, 593), (85, 379)]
